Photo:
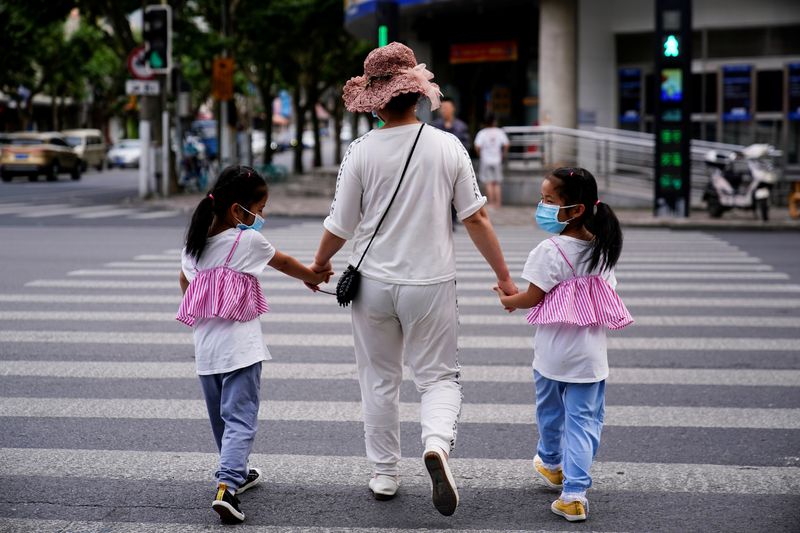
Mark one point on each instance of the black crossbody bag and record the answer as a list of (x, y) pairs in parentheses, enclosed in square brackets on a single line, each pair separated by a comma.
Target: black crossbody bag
[(347, 288)]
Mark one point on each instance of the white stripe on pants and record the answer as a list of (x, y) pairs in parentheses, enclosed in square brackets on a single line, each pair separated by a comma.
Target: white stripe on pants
[(418, 324)]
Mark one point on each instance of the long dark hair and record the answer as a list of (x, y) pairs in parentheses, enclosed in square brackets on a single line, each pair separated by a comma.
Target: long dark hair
[(578, 186), (236, 184)]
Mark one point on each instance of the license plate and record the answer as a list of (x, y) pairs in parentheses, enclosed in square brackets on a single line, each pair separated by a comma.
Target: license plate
[(118, 160), (20, 156)]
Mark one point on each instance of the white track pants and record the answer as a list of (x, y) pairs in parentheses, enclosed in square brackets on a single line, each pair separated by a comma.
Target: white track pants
[(419, 324)]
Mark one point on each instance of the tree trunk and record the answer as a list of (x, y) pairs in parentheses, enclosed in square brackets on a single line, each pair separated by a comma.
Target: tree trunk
[(54, 109), (265, 89), (312, 104), (299, 124), (338, 115)]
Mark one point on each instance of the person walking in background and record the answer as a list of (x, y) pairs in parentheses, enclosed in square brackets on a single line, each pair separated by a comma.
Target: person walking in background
[(449, 122), (222, 302), (573, 301), (406, 310), (491, 145)]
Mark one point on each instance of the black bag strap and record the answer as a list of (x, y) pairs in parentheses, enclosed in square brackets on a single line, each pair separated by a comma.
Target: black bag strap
[(408, 160)]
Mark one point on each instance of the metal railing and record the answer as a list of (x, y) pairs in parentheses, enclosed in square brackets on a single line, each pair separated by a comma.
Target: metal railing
[(610, 154)]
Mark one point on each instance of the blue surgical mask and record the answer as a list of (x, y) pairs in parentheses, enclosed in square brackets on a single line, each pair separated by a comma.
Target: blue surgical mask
[(257, 224), (547, 217)]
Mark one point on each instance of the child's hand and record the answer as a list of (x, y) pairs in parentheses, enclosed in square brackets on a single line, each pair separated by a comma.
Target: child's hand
[(502, 295), (322, 274)]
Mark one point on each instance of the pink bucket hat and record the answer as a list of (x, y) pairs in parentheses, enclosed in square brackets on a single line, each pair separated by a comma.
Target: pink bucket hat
[(389, 71)]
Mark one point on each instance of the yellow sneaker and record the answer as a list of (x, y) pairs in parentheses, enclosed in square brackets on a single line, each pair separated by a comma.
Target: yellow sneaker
[(552, 478), (573, 511)]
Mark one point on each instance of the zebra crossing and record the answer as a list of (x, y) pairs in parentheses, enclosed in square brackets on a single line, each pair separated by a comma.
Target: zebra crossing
[(103, 426), (86, 213)]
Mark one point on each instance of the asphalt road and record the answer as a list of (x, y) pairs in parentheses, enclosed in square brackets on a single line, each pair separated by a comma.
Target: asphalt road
[(102, 426)]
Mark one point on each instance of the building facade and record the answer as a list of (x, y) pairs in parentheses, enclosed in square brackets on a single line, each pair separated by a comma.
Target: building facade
[(589, 63)]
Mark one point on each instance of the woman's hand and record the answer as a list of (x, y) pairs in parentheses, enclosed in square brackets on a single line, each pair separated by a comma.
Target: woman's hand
[(324, 273)]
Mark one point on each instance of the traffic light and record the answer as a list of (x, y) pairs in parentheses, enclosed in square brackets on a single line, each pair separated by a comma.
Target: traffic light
[(672, 107), (386, 20), (157, 32)]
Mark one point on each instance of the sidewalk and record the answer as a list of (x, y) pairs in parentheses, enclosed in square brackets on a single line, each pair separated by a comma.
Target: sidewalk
[(282, 204)]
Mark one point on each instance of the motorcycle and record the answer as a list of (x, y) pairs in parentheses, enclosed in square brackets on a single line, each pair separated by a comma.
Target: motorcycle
[(742, 179)]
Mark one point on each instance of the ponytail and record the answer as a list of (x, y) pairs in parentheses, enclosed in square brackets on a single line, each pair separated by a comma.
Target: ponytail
[(607, 247), (578, 186), (236, 185), (197, 234)]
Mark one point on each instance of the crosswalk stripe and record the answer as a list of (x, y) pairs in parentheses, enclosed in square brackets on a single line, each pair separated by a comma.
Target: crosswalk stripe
[(338, 371), (22, 208), (478, 301), (104, 284), (116, 211), (306, 470), (152, 215), (330, 411), (344, 318), (346, 341), (622, 267), (34, 525), (474, 274), (71, 210)]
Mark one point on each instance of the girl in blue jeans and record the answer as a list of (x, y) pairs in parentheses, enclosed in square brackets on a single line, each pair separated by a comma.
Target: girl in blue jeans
[(573, 302)]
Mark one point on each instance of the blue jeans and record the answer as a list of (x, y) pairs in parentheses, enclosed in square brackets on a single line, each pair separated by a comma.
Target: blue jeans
[(570, 419), (232, 400)]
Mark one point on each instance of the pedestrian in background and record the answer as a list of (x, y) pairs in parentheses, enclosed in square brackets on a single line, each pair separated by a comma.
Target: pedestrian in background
[(222, 302), (449, 122), (405, 310), (573, 301), (491, 145)]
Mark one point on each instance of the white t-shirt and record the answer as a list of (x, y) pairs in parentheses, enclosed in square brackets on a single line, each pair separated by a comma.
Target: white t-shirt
[(222, 345), (491, 142), (565, 352), (415, 242)]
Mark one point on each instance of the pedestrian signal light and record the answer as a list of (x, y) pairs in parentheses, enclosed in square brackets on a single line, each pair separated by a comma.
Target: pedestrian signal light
[(383, 35), (157, 34), (671, 46)]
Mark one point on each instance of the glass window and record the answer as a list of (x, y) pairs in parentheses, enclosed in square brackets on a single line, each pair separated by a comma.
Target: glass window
[(26, 142), (739, 42), (769, 89), (74, 141)]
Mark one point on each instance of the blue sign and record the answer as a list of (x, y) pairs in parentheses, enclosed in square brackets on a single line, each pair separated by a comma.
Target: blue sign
[(630, 95), (737, 93), (793, 75)]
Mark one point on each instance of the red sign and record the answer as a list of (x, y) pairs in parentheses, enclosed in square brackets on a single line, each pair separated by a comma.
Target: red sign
[(137, 64), (483, 52)]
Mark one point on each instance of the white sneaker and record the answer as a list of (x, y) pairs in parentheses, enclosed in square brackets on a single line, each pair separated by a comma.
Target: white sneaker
[(443, 487), (383, 487)]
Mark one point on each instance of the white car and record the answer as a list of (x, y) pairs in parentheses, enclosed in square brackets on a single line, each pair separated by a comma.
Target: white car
[(125, 153)]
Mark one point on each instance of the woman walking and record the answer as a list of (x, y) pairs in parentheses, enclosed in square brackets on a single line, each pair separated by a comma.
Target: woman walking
[(401, 180)]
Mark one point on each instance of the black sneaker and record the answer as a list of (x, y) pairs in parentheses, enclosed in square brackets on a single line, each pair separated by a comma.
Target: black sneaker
[(253, 479), (227, 506)]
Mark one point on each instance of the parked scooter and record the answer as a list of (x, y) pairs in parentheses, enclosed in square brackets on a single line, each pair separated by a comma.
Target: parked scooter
[(742, 179)]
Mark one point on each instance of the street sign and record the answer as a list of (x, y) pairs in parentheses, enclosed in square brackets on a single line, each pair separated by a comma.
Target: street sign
[(222, 79), (672, 98), (137, 65), (141, 87)]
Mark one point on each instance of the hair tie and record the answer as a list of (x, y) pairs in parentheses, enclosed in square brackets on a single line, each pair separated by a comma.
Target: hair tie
[(211, 196), (597, 202)]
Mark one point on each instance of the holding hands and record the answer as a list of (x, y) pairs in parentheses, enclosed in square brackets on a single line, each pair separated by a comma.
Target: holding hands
[(323, 274)]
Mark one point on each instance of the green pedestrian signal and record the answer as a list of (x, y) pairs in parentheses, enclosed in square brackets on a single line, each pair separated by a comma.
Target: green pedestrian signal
[(671, 46), (155, 60), (383, 35)]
